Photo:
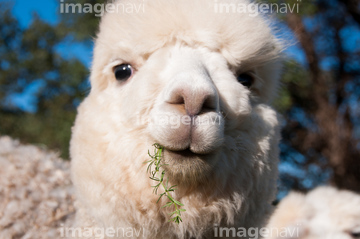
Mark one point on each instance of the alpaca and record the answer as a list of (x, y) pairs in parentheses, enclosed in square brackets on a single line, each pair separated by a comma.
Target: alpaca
[(199, 83), (324, 213)]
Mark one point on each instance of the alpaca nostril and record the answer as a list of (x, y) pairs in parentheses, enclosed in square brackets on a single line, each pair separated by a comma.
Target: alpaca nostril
[(210, 103), (177, 99)]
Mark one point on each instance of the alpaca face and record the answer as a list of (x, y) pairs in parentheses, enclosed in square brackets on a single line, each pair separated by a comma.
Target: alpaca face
[(200, 84), (187, 93)]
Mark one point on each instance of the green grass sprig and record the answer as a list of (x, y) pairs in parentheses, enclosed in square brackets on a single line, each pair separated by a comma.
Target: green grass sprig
[(154, 169)]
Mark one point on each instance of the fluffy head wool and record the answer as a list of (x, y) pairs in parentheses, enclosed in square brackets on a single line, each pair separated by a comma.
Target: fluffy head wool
[(179, 46), (325, 213)]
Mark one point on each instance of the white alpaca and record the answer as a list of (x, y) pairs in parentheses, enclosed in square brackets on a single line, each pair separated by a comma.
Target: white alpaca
[(198, 82), (324, 213)]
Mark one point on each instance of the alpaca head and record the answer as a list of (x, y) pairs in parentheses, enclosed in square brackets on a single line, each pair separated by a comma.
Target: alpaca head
[(198, 82)]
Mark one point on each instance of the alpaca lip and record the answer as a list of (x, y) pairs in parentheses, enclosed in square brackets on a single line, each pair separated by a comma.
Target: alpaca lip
[(183, 153), (186, 153)]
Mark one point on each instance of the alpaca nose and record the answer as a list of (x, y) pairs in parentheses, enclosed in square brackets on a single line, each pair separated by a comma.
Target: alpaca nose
[(195, 100)]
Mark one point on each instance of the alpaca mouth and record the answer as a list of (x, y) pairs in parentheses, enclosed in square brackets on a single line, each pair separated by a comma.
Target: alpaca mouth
[(186, 153), (186, 157)]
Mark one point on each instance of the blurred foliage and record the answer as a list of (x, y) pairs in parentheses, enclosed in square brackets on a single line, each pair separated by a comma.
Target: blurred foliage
[(28, 57), (319, 100), (294, 76)]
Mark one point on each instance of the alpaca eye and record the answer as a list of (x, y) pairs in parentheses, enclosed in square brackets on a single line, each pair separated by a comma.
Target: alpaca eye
[(355, 234), (246, 79), (123, 72)]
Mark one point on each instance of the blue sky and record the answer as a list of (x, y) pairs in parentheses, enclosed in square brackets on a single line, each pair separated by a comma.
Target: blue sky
[(46, 9)]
